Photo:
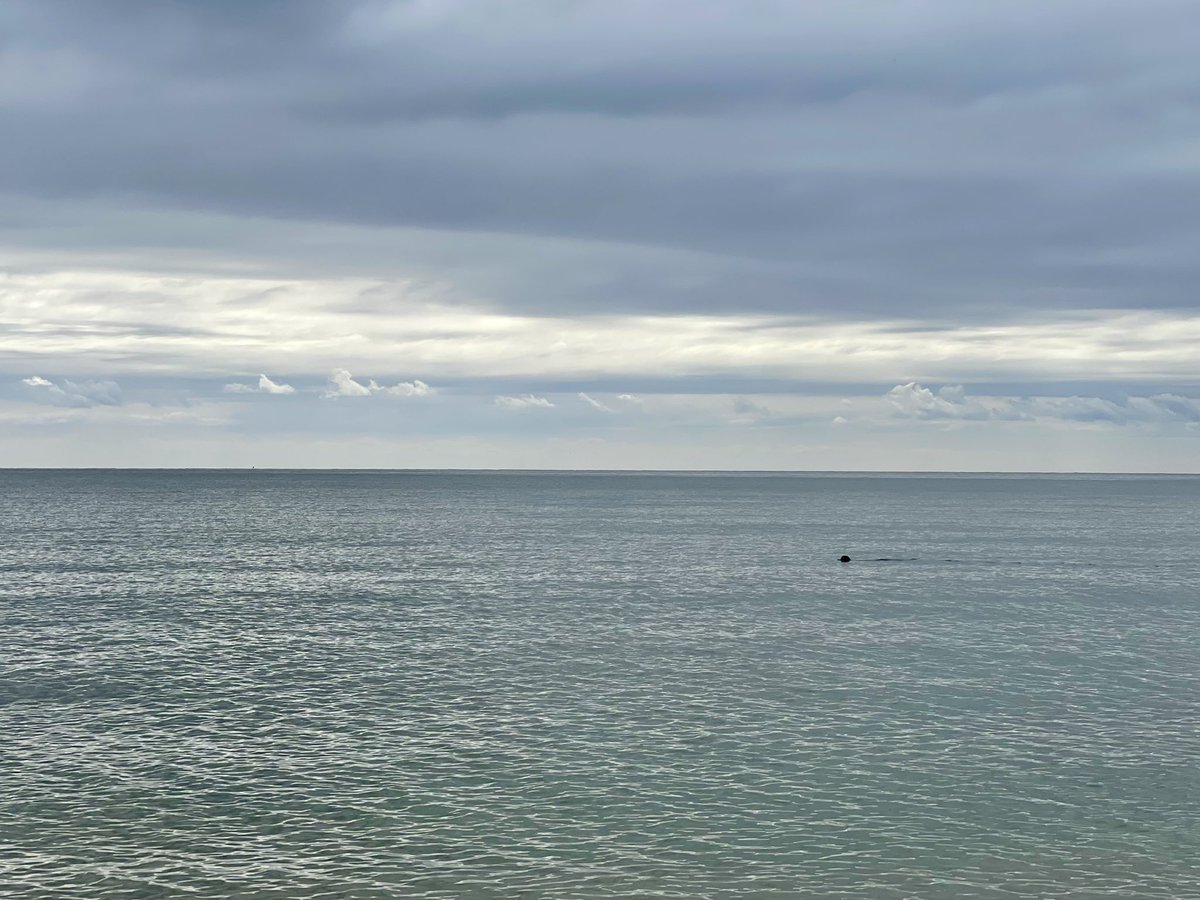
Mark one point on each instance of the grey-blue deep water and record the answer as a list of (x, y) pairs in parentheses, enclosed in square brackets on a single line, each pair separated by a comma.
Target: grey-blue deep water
[(406, 684)]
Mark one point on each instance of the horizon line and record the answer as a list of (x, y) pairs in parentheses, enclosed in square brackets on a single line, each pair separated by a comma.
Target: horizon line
[(619, 471)]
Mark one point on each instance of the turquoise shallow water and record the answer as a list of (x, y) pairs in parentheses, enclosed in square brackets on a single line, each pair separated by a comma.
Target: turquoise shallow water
[(543, 685)]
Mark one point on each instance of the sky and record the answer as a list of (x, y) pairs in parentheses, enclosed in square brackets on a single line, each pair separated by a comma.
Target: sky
[(665, 234)]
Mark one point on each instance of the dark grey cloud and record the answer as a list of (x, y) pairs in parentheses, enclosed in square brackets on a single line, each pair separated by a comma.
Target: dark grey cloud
[(413, 58), (933, 160)]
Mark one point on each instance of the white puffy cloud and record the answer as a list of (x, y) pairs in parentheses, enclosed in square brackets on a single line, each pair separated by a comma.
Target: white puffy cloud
[(342, 384), (919, 402), (73, 393), (414, 388), (265, 386), (527, 401)]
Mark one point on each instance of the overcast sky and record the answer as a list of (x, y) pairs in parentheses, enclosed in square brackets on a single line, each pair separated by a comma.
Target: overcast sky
[(862, 234)]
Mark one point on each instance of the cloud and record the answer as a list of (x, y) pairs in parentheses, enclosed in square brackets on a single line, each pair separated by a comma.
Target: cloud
[(265, 386), (528, 401), (344, 385), (593, 402), (916, 401), (749, 412), (74, 393), (573, 159), (128, 415), (952, 403), (119, 323), (691, 201), (415, 388)]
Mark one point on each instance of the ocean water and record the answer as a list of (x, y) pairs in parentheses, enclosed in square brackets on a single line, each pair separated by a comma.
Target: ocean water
[(280, 684)]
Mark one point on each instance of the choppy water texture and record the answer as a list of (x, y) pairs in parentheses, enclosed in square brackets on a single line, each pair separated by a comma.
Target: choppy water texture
[(520, 685)]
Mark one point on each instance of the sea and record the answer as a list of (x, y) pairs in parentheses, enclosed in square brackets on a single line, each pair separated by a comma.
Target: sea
[(300, 684)]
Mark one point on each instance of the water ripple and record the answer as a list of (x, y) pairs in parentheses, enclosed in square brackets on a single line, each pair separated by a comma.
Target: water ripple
[(378, 687)]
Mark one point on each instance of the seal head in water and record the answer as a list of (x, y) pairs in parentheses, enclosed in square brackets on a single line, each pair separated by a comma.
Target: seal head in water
[(843, 559)]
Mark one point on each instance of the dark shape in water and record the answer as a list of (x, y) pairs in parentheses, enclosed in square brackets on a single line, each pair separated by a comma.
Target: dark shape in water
[(843, 559)]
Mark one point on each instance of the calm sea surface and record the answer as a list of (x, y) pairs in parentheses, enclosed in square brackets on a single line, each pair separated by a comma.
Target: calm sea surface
[(274, 684)]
